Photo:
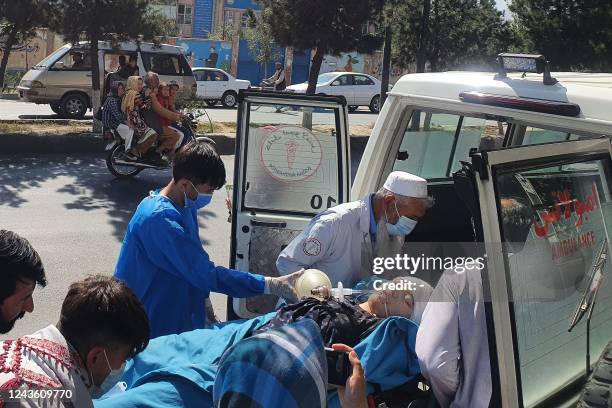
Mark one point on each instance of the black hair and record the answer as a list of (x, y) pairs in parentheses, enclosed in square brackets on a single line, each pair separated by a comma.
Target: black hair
[(133, 57), (19, 261), (122, 60), (114, 89), (101, 310), (199, 163)]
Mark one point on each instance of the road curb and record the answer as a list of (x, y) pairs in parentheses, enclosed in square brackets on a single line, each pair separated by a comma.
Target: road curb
[(70, 143), (46, 121), (86, 143)]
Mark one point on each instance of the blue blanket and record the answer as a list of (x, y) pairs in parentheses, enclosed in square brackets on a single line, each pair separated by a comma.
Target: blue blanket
[(387, 355), (180, 370)]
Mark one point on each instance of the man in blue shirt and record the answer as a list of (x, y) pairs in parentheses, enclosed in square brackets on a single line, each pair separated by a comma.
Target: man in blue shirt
[(162, 259)]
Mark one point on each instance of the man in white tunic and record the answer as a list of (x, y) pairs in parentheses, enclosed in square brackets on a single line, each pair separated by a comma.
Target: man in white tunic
[(343, 241), (102, 324), (452, 344)]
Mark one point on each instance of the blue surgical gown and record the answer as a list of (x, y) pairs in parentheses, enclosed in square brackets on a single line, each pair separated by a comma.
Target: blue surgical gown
[(162, 260)]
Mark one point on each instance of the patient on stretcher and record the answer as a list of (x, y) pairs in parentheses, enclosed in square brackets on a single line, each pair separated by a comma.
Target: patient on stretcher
[(180, 370), (349, 322)]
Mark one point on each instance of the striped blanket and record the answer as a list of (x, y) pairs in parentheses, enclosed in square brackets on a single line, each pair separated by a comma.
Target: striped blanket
[(285, 367)]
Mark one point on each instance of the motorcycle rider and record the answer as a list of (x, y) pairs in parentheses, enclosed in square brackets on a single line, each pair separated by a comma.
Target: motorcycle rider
[(277, 80)]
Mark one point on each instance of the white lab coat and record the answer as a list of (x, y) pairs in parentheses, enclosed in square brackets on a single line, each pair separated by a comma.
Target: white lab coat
[(452, 344), (336, 241)]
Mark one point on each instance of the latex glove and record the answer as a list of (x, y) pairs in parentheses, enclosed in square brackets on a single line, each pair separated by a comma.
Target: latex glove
[(284, 286), (211, 318), (353, 395)]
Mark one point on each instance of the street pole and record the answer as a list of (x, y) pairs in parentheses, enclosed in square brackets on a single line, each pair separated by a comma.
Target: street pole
[(386, 68)]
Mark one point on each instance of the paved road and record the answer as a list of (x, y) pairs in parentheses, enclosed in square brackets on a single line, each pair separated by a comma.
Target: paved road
[(13, 110), (75, 215)]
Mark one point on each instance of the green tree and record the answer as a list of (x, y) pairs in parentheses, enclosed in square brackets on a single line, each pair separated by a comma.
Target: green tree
[(446, 34), (18, 23), (572, 34), (105, 20), (327, 26), (260, 41), (225, 32)]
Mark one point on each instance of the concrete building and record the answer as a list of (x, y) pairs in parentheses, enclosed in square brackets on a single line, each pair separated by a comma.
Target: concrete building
[(182, 11), (43, 44)]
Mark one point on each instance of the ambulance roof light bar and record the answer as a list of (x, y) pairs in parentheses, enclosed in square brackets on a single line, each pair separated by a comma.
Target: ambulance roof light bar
[(520, 103), (524, 63)]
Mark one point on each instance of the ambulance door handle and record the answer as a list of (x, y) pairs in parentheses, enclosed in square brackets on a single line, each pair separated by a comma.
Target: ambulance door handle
[(270, 224)]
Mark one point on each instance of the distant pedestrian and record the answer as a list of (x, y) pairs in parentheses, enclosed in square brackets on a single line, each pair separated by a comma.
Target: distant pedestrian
[(213, 58)]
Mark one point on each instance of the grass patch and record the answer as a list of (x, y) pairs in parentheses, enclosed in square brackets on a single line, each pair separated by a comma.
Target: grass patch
[(229, 128), (45, 128), (217, 127)]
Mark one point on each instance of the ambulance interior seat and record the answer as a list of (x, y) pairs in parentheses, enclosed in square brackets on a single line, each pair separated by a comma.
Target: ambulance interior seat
[(447, 221)]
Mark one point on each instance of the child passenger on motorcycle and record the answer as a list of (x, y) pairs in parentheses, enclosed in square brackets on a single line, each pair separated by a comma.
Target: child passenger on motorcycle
[(131, 104), (185, 130), (163, 96)]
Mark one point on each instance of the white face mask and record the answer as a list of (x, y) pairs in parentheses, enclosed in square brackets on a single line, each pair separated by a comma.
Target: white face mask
[(109, 382)]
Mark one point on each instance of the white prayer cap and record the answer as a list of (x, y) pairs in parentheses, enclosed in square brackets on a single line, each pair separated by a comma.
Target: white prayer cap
[(406, 184)]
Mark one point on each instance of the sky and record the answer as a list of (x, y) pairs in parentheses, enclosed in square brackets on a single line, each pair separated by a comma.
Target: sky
[(501, 4)]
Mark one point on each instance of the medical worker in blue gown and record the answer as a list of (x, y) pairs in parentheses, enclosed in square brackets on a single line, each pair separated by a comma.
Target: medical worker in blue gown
[(162, 259)]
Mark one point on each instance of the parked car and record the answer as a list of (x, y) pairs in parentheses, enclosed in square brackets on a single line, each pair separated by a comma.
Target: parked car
[(358, 89), (214, 85), (63, 79), (520, 166)]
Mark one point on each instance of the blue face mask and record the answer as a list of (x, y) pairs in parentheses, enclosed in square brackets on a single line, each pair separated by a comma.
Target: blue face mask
[(109, 382), (403, 226), (202, 201)]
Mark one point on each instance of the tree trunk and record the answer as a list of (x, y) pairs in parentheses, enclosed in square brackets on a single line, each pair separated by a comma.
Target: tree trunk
[(421, 57), (434, 47), (6, 52), (95, 83), (386, 68), (315, 68), (313, 77)]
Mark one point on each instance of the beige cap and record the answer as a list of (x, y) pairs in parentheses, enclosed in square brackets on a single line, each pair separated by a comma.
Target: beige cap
[(406, 184)]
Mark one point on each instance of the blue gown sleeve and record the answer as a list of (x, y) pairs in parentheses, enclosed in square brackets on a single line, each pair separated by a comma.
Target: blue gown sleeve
[(170, 248)]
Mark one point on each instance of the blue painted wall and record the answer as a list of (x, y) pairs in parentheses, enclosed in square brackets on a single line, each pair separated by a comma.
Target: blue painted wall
[(251, 70), (203, 18), (242, 4), (198, 51), (300, 66)]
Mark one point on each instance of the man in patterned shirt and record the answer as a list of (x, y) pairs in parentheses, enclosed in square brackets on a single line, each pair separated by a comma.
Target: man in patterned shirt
[(102, 324)]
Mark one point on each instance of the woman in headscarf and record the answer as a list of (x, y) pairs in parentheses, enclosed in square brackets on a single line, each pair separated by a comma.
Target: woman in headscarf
[(145, 136), (113, 118)]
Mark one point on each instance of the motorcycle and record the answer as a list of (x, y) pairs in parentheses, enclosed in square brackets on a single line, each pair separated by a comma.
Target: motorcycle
[(121, 167)]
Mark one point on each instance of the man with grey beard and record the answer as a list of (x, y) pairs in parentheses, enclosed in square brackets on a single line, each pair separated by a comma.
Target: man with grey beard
[(343, 241)]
